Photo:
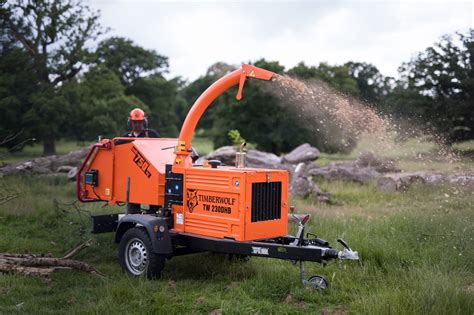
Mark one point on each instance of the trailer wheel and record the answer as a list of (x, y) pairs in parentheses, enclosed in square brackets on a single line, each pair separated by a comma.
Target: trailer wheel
[(318, 282), (136, 256)]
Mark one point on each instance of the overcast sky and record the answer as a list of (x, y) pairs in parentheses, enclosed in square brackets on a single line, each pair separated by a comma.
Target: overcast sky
[(196, 34)]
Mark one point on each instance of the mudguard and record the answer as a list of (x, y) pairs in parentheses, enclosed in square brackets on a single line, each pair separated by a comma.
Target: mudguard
[(160, 240)]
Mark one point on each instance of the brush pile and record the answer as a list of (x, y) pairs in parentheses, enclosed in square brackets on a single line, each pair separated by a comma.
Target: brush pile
[(44, 265)]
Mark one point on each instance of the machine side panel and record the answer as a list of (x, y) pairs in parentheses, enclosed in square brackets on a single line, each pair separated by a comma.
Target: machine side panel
[(144, 178), (102, 162), (266, 205), (159, 151), (213, 203)]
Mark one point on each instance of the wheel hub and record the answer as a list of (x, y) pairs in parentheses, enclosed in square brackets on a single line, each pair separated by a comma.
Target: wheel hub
[(136, 259)]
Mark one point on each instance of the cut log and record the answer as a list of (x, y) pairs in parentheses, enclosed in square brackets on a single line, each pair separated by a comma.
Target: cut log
[(47, 164), (42, 266), (50, 262)]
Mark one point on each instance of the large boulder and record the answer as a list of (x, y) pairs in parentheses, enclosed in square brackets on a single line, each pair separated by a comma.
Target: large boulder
[(254, 158), (463, 180), (303, 186), (224, 154), (381, 165), (302, 153), (398, 182), (260, 159), (345, 171), (402, 181)]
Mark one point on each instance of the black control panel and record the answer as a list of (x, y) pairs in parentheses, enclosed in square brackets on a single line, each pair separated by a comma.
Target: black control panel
[(173, 188), (92, 178)]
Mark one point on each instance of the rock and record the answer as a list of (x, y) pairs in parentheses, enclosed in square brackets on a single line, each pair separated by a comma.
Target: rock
[(305, 187), (224, 154), (302, 153), (463, 180), (402, 181), (386, 184), (368, 159), (301, 187), (260, 159), (345, 171), (253, 158)]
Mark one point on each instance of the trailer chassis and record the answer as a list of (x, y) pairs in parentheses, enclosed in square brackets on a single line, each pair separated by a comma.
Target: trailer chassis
[(166, 243)]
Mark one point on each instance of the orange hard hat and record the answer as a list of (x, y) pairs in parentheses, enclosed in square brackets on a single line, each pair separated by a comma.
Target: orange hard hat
[(137, 114)]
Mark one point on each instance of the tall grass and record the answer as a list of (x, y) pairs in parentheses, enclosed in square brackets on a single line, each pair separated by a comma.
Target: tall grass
[(416, 253), (416, 248)]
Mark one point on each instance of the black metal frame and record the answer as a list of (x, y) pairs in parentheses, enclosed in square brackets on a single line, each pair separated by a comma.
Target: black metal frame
[(285, 247), (279, 248)]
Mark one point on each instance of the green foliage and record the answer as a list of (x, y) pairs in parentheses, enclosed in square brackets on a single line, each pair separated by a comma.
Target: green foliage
[(336, 76), (98, 105), (235, 137), (53, 34), (16, 89), (42, 94), (191, 92), (129, 61), (258, 116), (163, 100), (53, 86), (372, 85), (436, 88)]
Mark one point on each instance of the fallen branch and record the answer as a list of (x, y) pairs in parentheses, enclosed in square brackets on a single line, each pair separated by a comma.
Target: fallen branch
[(45, 265), (24, 255), (76, 250)]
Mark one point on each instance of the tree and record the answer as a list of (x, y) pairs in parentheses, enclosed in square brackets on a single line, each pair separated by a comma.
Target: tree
[(336, 76), (16, 89), (164, 101), (438, 85), (53, 33), (129, 61), (373, 86), (98, 105), (141, 72), (193, 90)]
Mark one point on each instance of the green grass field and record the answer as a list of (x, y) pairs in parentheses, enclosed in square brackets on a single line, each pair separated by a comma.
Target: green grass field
[(416, 248)]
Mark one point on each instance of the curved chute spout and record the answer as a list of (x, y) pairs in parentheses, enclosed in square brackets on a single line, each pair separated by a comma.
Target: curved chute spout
[(217, 88)]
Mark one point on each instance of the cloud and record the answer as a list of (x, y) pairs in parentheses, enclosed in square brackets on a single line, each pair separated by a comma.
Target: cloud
[(196, 34)]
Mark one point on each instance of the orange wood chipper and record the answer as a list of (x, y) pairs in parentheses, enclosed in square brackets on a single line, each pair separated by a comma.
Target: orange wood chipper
[(194, 208)]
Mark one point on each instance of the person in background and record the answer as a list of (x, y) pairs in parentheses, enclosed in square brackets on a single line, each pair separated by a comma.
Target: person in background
[(138, 128), (138, 125)]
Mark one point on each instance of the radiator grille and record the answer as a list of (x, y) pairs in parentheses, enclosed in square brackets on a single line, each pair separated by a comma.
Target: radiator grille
[(266, 201)]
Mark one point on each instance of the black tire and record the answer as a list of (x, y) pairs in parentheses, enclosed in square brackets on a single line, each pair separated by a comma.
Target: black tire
[(136, 255), (318, 282)]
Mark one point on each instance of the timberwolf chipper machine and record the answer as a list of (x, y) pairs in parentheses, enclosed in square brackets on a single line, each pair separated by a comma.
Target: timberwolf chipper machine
[(195, 208)]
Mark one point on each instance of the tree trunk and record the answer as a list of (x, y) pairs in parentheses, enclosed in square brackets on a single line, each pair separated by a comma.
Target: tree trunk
[(49, 146)]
